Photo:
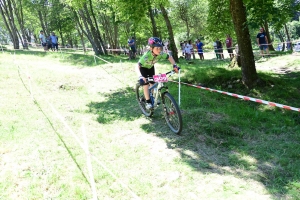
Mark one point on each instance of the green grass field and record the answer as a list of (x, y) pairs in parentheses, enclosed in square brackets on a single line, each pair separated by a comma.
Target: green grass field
[(229, 148)]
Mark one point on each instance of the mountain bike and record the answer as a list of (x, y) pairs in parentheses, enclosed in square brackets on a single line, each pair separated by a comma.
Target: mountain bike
[(131, 55), (171, 110)]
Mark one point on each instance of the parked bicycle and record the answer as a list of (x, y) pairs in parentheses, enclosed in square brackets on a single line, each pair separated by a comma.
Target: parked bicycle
[(171, 111), (131, 55)]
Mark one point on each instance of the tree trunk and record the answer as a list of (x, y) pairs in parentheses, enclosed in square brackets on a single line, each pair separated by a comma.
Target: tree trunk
[(266, 27), (116, 30), (97, 31), (88, 33), (288, 36), (238, 13), (281, 40), (81, 38), (154, 27), (107, 29), (8, 17), (171, 35), (42, 22), (18, 11)]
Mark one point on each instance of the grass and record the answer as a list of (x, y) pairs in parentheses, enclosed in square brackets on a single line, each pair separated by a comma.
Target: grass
[(230, 149)]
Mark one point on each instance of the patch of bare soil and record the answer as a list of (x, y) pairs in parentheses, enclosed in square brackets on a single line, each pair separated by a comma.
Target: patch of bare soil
[(278, 65)]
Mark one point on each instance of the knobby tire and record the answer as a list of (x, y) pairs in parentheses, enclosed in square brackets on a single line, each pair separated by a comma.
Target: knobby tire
[(172, 113)]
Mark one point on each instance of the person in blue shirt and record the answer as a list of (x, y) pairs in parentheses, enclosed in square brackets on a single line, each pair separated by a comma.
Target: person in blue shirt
[(200, 45), (131, 44), (54, 40), (262, 41)]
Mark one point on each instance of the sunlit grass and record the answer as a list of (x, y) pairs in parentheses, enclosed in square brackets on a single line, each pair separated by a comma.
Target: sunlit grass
[(230, 148)]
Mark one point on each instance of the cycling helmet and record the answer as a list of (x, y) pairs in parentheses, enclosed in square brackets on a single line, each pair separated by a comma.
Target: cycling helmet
[(155, 42)]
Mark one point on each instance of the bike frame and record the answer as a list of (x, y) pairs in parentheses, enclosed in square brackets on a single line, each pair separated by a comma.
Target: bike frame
[(159, 86)]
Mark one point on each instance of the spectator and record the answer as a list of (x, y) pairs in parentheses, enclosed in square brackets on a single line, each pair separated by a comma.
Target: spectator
[(131, 44), (192, 49), (288, 45), (54, 41), (220, 49), (43, 40), (49, 43), (216, 50), (182, 47), (200, 45), (262, 41), (25, 42), (229, 46), (187, 51)]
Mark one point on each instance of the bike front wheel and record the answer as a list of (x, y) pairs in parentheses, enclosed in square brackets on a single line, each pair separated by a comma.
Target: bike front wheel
[(172, 113), (142, 101)]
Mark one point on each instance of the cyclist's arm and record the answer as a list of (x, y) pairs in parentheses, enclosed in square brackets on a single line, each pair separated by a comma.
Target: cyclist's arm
[(137, 70), (172, 61)]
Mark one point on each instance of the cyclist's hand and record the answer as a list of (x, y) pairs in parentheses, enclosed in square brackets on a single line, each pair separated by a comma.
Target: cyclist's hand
[(142, 80), (176, 68)]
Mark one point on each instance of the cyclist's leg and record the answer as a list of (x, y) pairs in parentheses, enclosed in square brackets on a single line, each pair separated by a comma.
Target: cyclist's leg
[(146, 92), (147, 73)]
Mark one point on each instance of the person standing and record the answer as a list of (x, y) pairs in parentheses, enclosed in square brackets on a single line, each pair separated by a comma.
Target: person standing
[(54, 41), (49, 43), (220, 48), (192, 49), (288, 45), (131, 44), (262, 41), (200, 45), (182, 47), (43, 40), (187, 51), (228, 42)]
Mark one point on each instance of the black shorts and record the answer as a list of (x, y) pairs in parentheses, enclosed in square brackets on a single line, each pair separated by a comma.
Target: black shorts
[(44, 44), (230, 50), (147, 72)]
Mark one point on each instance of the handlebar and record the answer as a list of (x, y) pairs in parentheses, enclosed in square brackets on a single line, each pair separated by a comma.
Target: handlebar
[(170, 73)]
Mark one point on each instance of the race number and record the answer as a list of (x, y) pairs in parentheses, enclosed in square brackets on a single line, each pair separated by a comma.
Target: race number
[(160, 78)]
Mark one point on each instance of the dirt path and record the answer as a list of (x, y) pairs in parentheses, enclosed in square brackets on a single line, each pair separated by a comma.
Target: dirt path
[(278, 65)]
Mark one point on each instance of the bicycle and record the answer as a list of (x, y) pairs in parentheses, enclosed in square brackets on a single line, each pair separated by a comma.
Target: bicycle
[(171, 112), (131, 55)]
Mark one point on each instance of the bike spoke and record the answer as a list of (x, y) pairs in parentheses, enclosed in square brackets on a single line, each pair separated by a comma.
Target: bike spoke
[(172, 114)]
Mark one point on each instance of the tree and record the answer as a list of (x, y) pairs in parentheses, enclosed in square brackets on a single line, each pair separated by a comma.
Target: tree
[(84, 15), (219, 19), (238, 13), (171, 35), (6, 10)]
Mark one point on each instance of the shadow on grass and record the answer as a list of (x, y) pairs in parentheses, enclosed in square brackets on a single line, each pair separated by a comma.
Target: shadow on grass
[(244, 139)]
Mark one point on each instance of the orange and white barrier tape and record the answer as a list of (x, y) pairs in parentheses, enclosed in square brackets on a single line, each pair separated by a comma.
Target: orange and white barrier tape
[(244, 97)]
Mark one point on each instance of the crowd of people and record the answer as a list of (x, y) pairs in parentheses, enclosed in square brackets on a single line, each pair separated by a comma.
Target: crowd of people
[(50, 42), (189, 49)]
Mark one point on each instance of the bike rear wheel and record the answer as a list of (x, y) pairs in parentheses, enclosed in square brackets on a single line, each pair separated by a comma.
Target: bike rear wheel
[(172, 113), (142, 101)]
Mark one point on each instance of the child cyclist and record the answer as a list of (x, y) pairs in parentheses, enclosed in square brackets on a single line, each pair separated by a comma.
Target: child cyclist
[(145, 66)]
